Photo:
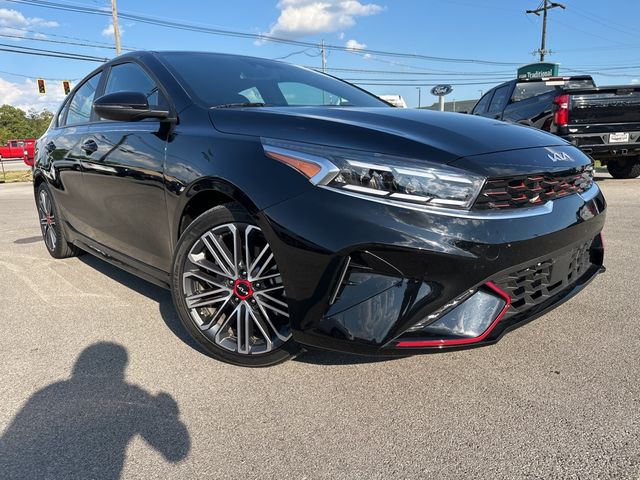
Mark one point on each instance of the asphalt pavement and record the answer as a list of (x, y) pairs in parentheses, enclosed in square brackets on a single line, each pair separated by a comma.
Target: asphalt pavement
[(99, 380)]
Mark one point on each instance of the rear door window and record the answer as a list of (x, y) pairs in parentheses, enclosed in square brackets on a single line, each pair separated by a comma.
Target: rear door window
[(499, 100), (483, 103)]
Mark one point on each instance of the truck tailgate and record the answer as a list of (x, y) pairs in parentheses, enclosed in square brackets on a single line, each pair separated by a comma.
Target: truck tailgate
[(604, 106)]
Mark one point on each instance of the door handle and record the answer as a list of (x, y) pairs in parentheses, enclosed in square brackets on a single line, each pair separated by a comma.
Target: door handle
[(89, 147)]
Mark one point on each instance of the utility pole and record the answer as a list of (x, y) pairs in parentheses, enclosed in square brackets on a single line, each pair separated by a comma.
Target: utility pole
[(419, 96), (324, 57), (544, 8), (116, 29)]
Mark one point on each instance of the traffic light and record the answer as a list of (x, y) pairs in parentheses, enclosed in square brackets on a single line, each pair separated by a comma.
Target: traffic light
[(66, 86), (41, 87)]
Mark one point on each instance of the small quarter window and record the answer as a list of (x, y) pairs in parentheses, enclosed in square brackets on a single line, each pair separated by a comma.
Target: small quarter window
[(130, 77)]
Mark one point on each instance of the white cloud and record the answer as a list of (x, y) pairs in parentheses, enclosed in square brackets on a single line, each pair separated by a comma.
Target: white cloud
[(25, 95), (309, 17), (354, 45), (635, 81), (13, 22), (108, 31)]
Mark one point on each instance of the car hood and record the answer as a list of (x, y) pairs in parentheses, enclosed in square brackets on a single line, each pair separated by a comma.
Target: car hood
[(435, 136)]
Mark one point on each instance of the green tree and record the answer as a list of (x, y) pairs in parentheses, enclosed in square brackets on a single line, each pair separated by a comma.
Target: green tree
[(16, 123)]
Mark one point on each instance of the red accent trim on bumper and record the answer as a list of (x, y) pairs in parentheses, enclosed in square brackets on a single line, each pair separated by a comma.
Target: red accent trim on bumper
[(463, 341)]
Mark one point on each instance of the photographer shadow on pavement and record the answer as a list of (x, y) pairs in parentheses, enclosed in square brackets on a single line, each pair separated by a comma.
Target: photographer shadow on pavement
[(80, 427)]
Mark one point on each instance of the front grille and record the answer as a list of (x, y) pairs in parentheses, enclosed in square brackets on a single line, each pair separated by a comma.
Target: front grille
[(531, 286), (531, 190)]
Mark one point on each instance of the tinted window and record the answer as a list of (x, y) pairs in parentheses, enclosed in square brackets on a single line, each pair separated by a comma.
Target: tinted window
[(482, 104), (526, 90), (580, 83), (130, 77), (499, 99), (81, 105), (303, 94), (225, 79)]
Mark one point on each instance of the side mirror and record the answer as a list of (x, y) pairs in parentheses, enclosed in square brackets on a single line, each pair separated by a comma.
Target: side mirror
[(126, 107)]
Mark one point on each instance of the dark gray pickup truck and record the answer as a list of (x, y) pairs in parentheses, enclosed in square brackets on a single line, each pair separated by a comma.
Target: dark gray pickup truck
[(603, 121)]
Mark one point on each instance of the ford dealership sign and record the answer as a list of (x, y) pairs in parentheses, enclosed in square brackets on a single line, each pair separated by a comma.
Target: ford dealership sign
[(440, 90)]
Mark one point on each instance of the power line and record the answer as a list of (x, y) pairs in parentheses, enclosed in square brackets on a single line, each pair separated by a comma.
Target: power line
[(413, 84), (259, 37), (298, 52), (396, 72), (618, 27), (424, 80), (61, 42), (34, 77), (49, 53), (57, 35)]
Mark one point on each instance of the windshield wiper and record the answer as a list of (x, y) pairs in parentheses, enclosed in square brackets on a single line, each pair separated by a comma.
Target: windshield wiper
[(240, 105)]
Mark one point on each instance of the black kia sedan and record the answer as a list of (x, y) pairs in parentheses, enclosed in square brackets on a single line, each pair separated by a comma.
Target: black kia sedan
[(284, 207)]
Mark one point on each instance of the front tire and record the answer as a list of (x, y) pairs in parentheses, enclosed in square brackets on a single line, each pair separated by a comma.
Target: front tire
[(228, 290), (624, 167), (51, 225)]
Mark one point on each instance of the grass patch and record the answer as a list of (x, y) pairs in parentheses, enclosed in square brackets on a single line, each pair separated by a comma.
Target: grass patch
[(14, 176)]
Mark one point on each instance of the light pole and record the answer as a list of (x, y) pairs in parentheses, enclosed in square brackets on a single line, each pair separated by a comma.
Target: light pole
[(481, 92), (544, 8), (419, 96), (116, 28)]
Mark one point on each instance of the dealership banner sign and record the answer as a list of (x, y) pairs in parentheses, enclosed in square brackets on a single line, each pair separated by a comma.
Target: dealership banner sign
[(538, 70)]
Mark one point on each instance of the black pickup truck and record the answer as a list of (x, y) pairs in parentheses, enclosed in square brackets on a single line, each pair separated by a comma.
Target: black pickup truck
[(603, 122)]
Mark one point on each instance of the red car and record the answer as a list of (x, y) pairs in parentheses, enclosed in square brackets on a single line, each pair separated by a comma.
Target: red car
[(19, 148)]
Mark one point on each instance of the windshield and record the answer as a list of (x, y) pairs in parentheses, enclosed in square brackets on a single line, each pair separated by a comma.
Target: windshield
[(227, 81)]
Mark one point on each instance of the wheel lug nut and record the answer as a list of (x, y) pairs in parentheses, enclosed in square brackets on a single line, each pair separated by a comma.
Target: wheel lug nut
[(243, 273)]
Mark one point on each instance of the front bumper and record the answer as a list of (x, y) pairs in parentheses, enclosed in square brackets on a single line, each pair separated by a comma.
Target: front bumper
[(360, 275)]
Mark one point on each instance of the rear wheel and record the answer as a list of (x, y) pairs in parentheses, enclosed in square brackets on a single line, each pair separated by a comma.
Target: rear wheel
[(51, 226), (228, 290), (628, 167)]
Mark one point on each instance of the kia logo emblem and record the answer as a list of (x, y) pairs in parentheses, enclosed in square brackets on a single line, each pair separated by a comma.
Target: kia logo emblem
[(559, 156)]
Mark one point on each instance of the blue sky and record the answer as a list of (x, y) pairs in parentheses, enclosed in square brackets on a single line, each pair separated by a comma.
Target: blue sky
[(589, 36)]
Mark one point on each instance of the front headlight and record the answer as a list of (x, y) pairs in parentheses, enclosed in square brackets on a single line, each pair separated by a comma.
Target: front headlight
[(379, 175)]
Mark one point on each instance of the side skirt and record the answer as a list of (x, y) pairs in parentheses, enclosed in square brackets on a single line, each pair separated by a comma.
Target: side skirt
[(124, 262)]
